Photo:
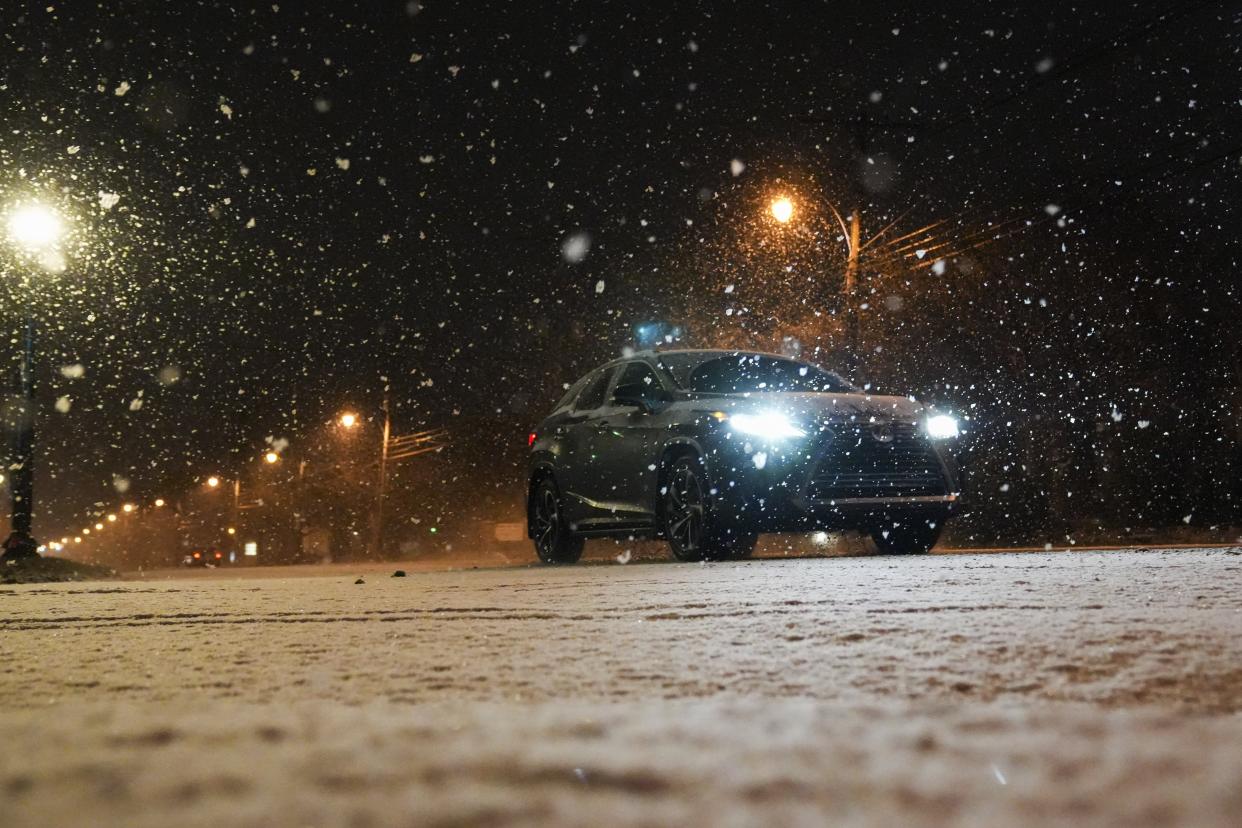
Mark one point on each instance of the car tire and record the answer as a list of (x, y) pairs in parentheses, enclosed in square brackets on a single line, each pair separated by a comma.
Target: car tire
[(554, 543), (906, 538), (694, 532)]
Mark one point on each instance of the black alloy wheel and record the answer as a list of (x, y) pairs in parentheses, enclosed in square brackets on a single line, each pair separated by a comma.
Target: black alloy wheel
[(554, 544), (693, 531)]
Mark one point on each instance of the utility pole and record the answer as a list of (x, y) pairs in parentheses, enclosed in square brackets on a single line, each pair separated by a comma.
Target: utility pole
[(377, 530), (852, 320), (236, 516), (299, 511)]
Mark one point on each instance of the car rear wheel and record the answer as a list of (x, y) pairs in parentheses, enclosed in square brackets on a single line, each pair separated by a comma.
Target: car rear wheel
[(694, 533), (906, 538), (554, 544)]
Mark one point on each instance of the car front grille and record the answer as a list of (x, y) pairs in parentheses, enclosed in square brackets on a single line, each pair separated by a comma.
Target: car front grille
[(876, 460)]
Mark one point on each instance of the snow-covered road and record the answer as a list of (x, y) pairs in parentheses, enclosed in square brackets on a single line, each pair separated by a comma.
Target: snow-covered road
[(976, 689)]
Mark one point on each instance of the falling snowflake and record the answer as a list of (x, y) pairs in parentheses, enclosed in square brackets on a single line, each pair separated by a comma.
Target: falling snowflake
[(575, 247)]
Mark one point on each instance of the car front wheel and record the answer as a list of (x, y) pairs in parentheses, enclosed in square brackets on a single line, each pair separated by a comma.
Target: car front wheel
[(694, 532), (554, 544), (906, 538)]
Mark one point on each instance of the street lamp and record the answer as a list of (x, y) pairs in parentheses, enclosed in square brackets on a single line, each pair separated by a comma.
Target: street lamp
[(782, 209), (34, 229), (212, 482), (348, 420), (271, 458)]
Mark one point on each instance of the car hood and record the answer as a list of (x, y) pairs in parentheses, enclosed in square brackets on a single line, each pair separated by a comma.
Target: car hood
[(823, 407)]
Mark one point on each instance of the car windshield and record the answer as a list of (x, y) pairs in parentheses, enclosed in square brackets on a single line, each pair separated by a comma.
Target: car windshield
[(748, 373)]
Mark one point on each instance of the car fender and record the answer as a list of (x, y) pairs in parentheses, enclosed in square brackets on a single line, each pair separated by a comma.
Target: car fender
[(541, 461), (683, 441)]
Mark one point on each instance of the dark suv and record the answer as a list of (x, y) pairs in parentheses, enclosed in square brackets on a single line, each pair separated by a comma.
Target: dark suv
[(710, 448)]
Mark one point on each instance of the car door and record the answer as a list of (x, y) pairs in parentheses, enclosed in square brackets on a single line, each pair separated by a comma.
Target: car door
[(578, 473), (627, 441)]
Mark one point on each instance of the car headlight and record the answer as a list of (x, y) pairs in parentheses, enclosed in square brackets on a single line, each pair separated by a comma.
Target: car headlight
[(769, 425), (942, 427)]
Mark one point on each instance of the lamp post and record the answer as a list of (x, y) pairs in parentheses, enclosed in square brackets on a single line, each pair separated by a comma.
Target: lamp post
[(377, 525), (348, 420), (34, 229), (783, 210)]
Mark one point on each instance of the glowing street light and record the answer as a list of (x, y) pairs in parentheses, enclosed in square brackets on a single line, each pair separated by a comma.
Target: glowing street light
[(348, 420), (35, 227), (782, 209), (271, 457), (159, 502), (98, 527), (128, 507), (212, 482), (112, 518)]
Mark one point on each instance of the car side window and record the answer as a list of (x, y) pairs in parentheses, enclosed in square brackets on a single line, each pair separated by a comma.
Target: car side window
[(638, 373), (592, 396), (572, 394)]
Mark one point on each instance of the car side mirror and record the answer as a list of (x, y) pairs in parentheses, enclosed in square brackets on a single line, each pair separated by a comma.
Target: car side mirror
[(641, 395)]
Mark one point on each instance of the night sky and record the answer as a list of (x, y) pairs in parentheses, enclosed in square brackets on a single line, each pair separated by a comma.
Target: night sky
[(281, 208)]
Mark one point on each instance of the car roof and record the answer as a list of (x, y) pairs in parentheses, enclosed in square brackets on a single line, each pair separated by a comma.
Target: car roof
[(654, 354), (651, 355)]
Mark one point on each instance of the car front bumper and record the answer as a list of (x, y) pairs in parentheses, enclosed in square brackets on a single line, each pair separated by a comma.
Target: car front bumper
[(775, 489)]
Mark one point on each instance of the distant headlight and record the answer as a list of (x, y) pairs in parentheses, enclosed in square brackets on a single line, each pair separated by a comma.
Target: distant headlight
[(942, 427), (768, 425)]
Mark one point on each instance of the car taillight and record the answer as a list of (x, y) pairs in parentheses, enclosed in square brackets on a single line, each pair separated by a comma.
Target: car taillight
[(219, 555), (197, 556), (530, 439)]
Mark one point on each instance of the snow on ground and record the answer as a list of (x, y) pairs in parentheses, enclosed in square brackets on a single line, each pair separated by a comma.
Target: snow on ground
[(1097, 687)]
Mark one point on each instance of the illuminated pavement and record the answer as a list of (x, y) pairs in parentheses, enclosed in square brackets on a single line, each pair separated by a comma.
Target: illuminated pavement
[(1096, 686)]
